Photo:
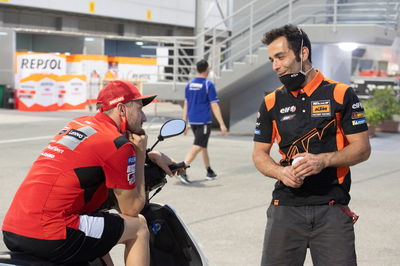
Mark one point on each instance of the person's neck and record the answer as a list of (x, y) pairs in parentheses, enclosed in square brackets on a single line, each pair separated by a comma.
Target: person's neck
[(202, 75), (310, 75)]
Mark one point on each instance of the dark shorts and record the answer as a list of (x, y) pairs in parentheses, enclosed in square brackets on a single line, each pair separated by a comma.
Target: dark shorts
[(77, 247), (326, 230), (201, 134)]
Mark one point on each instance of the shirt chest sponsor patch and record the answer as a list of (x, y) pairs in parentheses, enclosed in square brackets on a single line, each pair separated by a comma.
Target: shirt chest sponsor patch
[(321, 108), (131, 170)]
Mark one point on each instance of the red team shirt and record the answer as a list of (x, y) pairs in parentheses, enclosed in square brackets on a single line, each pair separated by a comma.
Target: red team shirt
[(71, 177)]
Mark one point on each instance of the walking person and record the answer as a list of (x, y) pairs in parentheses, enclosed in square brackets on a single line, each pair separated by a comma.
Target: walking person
[(321, 130), (200, 99)]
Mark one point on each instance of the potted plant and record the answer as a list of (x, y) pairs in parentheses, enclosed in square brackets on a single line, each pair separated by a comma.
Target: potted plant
[(380, 108)]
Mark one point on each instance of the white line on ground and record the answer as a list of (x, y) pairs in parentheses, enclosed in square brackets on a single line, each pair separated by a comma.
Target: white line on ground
[(24, 139)]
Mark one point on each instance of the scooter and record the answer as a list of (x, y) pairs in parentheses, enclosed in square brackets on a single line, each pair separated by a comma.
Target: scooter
[(171, 242)]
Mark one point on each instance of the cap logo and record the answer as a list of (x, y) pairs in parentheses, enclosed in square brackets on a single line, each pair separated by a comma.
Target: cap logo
[(116, 100)]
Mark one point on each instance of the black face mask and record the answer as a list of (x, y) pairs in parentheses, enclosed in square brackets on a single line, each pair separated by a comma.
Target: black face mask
[(292, 82)]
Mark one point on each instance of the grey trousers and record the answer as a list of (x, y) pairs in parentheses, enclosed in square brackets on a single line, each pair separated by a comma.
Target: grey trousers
[(326, 230)]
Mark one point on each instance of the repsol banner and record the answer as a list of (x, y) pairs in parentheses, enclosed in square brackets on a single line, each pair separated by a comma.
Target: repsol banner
[(39, 63)]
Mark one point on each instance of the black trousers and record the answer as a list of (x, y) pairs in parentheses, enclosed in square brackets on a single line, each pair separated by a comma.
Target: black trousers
[(325, 229)]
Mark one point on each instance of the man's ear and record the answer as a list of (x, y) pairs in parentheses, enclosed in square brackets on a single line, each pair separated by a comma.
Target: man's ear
[(305, 52), (121, 109)]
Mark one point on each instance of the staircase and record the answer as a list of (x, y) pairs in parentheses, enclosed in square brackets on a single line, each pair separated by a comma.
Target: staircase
[(238, 59)]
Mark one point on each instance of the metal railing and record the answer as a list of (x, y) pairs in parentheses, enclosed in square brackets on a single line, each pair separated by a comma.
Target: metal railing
[(246, 26)]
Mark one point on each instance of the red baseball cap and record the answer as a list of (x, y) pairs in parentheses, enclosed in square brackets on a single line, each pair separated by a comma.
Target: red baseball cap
[(119, 91)]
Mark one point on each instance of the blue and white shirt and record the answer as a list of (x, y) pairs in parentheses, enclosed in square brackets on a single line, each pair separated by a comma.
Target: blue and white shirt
[(199, 94)]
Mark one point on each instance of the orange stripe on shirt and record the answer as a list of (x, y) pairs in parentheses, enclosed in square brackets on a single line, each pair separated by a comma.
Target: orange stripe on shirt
[(339, 92), (270, 100), (341, 142)]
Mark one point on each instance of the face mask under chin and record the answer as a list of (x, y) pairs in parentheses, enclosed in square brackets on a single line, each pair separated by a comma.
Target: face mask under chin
[(293, 82)]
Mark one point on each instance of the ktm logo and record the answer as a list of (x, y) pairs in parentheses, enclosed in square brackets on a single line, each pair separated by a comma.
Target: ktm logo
[(322, 108)]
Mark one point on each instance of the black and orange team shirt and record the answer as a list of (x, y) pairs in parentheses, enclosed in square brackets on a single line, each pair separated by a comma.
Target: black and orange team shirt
[(314, 120), (71, 177)]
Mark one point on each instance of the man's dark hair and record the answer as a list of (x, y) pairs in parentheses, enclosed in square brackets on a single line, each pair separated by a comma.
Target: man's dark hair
[(202, 66), (293, 34)]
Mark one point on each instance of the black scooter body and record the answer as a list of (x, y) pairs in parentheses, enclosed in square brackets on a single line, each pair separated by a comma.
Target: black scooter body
[(170, 241)]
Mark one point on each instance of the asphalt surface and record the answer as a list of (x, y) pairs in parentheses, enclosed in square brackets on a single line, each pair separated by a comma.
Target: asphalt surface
[(227, 216)]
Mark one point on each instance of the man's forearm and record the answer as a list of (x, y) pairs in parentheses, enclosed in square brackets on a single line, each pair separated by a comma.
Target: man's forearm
[(217, 113), (266, 165), (184, 115), (350, 155), (140, 182)]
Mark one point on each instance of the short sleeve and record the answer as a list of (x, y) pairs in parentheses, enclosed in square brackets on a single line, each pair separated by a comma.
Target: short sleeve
[(211, 92), (264, 129), (120, 168), (186, 91), (353, 115)]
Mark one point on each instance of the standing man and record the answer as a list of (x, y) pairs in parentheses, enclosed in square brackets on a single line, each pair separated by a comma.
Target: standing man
[(200, 98), (321, 124), (54, 214)]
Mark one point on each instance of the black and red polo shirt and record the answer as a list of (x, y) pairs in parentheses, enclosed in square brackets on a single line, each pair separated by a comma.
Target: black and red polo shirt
[(71, 177), (315, 119)]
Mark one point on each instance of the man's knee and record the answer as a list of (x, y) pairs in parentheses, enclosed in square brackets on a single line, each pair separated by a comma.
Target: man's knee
[(135, 227), (143, 229)]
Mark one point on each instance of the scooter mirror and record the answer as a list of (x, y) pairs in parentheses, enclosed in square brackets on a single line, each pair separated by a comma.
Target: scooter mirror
[(172, 128)]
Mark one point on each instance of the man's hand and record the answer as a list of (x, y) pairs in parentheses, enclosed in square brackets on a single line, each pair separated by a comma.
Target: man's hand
[(289, 178), (140, 142), (311, 164), (186, 129), (224, 130), (162, 160)]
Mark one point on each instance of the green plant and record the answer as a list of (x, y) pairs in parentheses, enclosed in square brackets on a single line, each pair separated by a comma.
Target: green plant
[(383, 104)]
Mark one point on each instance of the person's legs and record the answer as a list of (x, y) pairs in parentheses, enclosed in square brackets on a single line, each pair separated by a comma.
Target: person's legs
[(332, 241), (285, 240), (191, 155), (136, 239), (97, 234), (206, 158)]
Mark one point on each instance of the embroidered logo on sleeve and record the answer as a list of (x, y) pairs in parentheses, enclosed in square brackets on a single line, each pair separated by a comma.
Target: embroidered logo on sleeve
[(359, 121), (357, 115), (131, 170), (321, 108)]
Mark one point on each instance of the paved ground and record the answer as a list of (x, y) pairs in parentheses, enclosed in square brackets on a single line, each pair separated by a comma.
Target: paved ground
[(227, 216)]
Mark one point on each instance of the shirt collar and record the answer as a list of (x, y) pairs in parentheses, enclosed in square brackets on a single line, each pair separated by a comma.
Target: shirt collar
[(103, 117), (311, 86)]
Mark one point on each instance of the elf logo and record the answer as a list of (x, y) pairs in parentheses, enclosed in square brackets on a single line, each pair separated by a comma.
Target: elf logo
[(288, 109)]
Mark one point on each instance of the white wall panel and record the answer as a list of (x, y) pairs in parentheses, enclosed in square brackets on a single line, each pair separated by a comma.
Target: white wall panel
[(175, 12)]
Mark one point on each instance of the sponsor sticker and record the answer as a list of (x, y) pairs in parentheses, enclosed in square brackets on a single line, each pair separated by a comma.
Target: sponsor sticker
[(359, 122), (321, 108), (54, 148), (288, 109), (116, 100), (62, 131), (77, 134), (288, 117), (48, 155), (131, 170), (131, 178), (357, 105), (356, 115), (131, 160)]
